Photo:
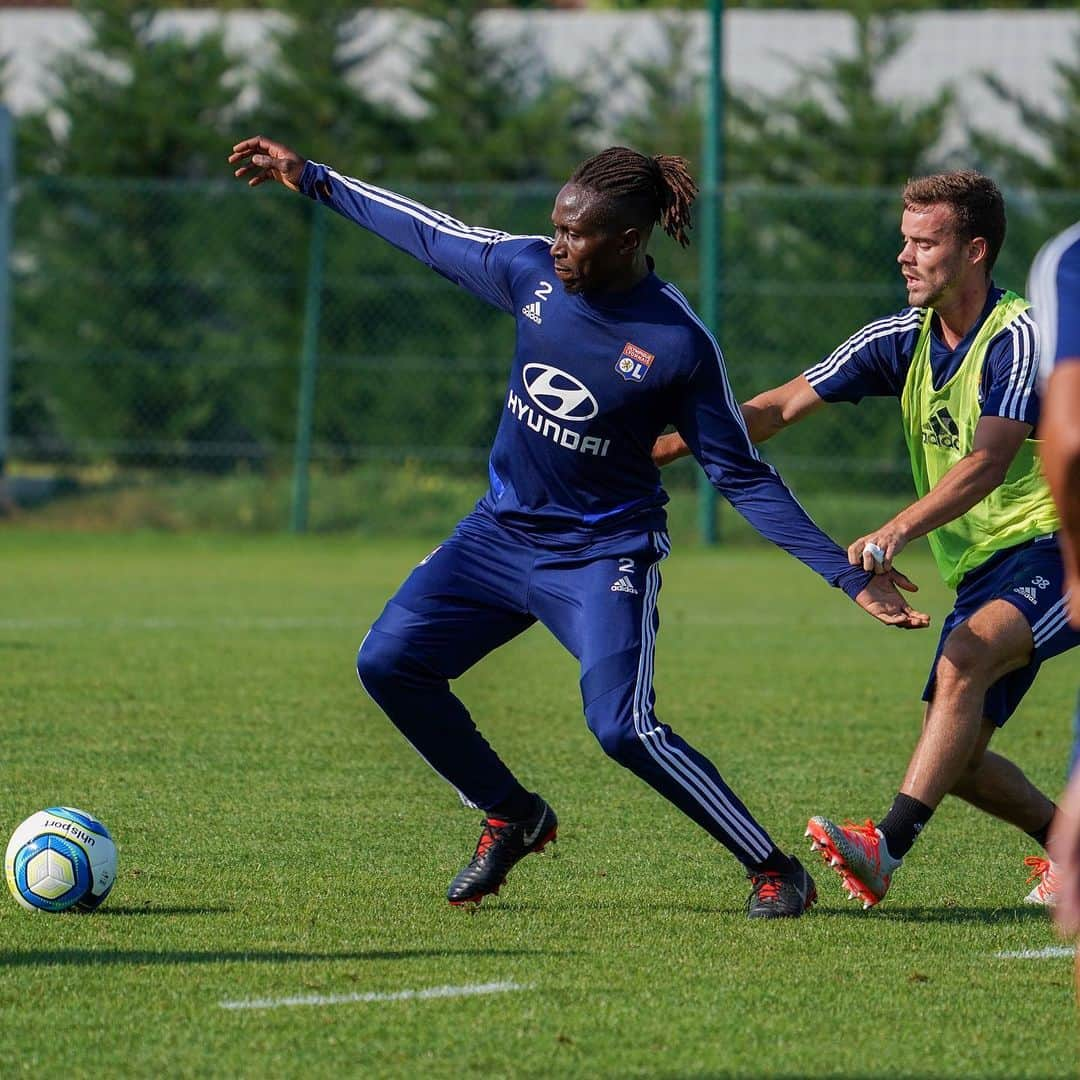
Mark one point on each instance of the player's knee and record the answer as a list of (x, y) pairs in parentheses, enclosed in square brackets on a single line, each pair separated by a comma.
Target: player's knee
[(378, 661), (963, 659), (616, 737)]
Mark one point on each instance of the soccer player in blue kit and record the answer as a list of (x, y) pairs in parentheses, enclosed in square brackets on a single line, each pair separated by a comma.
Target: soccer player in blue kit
[(1054, 287), (963, 361), (571, 530)]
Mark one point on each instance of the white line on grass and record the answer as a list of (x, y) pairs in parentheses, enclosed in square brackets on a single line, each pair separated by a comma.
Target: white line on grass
[(399, 995), (170, 622), (1051, 952)]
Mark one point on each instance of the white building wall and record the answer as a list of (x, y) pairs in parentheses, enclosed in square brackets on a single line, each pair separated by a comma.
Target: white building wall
[(763, 50)]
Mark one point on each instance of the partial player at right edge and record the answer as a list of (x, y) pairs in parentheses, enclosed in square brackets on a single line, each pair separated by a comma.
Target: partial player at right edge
[(1055, 287)]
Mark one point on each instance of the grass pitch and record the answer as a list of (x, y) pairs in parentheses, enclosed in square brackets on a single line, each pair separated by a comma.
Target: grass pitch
[(279, 841)]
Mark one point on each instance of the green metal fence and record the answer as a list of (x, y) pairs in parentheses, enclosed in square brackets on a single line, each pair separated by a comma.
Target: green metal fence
[(166, 325)]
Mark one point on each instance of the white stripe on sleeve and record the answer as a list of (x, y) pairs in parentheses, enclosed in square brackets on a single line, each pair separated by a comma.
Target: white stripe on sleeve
[(1024, 372), (1043, 293), (435, 219), (907, 320)]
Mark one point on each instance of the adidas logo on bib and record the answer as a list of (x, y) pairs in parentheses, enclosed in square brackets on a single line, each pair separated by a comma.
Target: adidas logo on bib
[(942, 430)]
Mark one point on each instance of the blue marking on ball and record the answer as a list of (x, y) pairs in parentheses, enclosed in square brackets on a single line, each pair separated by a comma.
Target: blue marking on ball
[(85, 820), (75, 857)]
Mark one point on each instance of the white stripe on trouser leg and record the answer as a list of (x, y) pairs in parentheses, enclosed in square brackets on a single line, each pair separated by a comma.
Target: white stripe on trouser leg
[(685, 772), (736, 823), (465, 800)]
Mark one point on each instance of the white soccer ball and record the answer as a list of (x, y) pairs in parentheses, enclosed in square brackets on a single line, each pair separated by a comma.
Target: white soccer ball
[(60, 859)]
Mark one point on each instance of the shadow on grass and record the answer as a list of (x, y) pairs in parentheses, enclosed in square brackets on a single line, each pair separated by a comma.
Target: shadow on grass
[(1025, 913), (162, 909), (119, 957), (616, 904), (941, 914)]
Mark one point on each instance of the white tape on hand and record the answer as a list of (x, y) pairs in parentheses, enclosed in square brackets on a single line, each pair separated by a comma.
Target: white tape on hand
[(876, 553)]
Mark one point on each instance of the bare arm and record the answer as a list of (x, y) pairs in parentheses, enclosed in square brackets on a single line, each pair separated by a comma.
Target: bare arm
[(968, 482), (1060, 431), (778, 408), (764, 415)]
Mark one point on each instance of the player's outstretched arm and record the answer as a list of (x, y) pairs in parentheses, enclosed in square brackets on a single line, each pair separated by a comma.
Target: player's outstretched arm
[(260, 159), (764, 415), (773, 410), (478, 259), (718, 437)]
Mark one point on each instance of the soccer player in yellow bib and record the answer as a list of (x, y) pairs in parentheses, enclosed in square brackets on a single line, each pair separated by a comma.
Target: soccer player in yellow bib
[(962, 360)]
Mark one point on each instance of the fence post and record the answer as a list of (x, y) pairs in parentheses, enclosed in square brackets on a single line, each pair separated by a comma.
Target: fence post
[(711, 272), (7, 197), (309, 360)]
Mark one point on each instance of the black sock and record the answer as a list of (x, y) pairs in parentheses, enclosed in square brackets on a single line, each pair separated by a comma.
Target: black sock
[(519, 805), (1039, 835), (777, 862), (903, 823)]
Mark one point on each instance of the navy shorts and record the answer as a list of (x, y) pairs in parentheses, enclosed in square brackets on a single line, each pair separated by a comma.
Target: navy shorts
[(1031, 577)]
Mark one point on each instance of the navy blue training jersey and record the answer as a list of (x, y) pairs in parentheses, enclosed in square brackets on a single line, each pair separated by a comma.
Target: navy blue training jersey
[(596, 377), (1054, 288), (874, 362)]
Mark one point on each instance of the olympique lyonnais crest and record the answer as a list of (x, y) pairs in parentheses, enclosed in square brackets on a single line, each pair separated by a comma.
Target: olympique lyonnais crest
[(634, 362)]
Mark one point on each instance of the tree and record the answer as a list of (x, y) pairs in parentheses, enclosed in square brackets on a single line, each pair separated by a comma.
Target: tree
[(492, 110), (670, 118), (487, 112), (1056, 164), (834, 126), (121, 307), (133, 102), (836, 142), (311, 93), (810, 256), (1043, 179)]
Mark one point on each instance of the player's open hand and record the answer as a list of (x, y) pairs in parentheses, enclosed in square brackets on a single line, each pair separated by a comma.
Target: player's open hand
[(263, 159), (881, 598)]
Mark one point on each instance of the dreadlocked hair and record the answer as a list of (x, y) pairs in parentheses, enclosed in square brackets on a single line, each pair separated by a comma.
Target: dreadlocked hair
[(659, 188)]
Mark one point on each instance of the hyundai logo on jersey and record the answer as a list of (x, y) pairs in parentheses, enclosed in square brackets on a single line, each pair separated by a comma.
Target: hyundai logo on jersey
[(548, 429), (634, 362), (559, 394)]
